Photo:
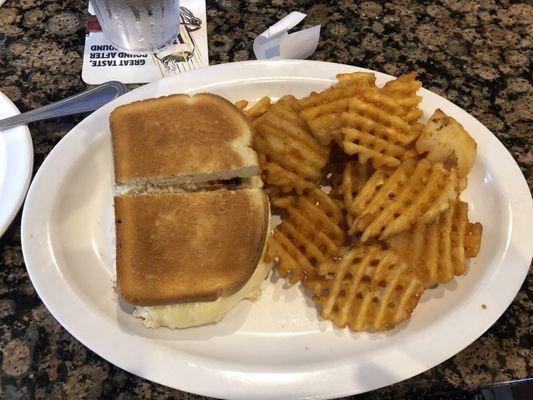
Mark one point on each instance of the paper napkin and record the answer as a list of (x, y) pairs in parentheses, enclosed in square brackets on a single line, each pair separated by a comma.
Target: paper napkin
[(277, 43)]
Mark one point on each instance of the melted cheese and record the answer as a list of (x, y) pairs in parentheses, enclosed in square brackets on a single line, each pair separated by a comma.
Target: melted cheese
[(185, 315), (192, 314)]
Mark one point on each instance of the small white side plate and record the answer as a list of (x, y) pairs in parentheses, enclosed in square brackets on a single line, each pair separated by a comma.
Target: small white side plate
[(277, 347), (16, 164)]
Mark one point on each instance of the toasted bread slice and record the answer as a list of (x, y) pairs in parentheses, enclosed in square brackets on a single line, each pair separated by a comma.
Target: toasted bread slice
[(178, 139), (188, 247)]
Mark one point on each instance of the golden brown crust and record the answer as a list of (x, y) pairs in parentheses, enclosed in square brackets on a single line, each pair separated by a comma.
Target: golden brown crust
[(179, 135), (180, 248)]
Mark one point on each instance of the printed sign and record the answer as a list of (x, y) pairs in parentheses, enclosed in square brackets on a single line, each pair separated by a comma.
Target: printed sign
[(102, 61)]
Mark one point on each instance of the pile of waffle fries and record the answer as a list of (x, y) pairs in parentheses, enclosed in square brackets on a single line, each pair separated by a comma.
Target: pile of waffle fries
[(368, 196)]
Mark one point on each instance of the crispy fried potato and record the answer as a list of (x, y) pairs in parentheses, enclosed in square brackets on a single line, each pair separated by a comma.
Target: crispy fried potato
[(368, 115), (438, 250), (356, 77), (379, 103), (257, 110), (376, 136), (354, 177), (368, 192), (311, 233), (417, 191), (445, 140), (332, 177), (286, 181), (380, 125), (366, 288), (289, 156), (367, 121), (473, 235), (291, 103), (403, 90), (331, 180), (371, 149), (321, 110), (353, 80), (394, 183), (241, 104), (347, 182)]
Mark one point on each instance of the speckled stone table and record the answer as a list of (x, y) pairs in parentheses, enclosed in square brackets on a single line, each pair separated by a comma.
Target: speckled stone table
[(475, 53)]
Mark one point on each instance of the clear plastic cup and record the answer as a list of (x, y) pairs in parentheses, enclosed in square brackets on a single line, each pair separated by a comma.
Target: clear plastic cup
[(139, 25)]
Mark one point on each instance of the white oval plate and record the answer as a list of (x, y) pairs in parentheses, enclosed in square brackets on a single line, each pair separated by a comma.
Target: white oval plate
[(16, 164), (276, 347)]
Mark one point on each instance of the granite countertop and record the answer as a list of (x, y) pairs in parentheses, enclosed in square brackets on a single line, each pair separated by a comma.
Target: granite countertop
[(475, 53)]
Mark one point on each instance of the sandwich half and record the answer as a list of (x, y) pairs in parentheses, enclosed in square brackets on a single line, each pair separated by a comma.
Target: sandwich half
[(185, 259), (189, 142)]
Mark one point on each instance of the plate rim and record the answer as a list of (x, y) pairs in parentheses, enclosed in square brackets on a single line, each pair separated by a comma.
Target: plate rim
[(229, 390), (15, 200)]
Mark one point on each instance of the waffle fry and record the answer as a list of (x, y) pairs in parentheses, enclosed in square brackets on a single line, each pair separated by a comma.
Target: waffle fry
[(290, 102), (347, 87), (241, 104), (356, 77), (391, 115), (378, 115), (375, 128), (257, 110), (394, 182), (322, 110), (332, 177), (417, 192), (437, 251), (445, 140), (367, 192), (347, 183), (354, 177), (282, 179), (289, 156), (308, 236), (473, 239), (370, 148), (403, 90), (366, 289)]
